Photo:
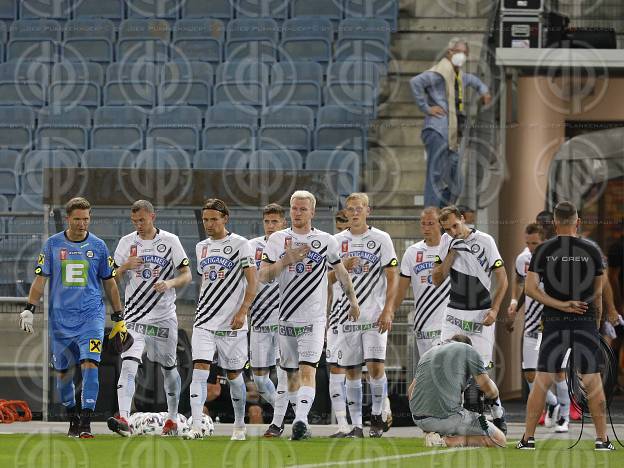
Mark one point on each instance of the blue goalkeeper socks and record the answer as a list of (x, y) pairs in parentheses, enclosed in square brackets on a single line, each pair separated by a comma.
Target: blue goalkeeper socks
[(90, 387), (67, 392)]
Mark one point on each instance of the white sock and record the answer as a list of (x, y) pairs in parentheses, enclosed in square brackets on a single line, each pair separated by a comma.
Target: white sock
[(173, 385), (337, 394), (563, 398), (292, 398), (497, 409), (305, 398), (354, 400), (266, 389), (551, 399), (199, 393), (125, 386), (281, 398), (378, 393), (238, 393)]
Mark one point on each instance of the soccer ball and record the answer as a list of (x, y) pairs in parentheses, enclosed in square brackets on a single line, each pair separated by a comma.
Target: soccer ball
[(207, 426)]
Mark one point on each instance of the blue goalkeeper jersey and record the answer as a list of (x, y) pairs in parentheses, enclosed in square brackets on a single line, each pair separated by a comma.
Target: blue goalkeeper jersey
[(75, 271)]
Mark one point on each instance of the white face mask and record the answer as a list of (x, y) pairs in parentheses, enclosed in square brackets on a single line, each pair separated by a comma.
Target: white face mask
[(458, 59)]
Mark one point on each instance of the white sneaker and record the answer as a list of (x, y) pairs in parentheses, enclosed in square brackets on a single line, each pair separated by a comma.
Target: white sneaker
[(551, 418), (239, 433), (562, 425), (433, 439), (193, 434)]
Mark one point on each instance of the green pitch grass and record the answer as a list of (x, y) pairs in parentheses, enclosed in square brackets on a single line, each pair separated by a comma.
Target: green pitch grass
[(57, 451)]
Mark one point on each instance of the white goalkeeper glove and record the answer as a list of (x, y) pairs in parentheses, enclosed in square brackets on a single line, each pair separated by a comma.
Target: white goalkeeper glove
[(26, 319)]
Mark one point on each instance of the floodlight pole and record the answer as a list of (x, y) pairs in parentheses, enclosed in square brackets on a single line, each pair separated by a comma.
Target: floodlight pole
[(46, 339)]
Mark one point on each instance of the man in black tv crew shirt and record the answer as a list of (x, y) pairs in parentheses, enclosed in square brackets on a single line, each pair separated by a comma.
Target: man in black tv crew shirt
[(570, 269)]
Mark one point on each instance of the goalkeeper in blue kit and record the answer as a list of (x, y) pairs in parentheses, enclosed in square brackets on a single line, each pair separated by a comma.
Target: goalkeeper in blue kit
[(75, 261)]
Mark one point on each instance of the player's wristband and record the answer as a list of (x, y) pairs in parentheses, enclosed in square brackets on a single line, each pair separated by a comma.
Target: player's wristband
[(30, 307), (117, 316), (514, 302)]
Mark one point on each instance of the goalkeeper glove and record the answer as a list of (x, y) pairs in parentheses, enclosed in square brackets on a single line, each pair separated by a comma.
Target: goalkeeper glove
[(119, 327), (26, 318)]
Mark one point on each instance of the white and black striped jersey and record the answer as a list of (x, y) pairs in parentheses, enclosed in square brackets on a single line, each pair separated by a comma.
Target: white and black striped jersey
[(303, 285), (532, 308), (375, 251), (337, 315), (265, 308), (161, 257), (429, 302), (471, 272), (221, 264)]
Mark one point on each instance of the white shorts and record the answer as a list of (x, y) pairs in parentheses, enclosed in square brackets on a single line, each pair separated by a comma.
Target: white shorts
[(300, 343), (530, 351), (470, 323), (334, 339), (158, 339), (360, 343), (427, 339), (263, 346), (231, 347)]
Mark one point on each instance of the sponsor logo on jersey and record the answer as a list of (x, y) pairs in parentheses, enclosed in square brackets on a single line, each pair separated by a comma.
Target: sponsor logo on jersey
[(316, 244), (347, 328), (258, 256), (364, 255), (423, 266), (295, 331), (371, 244), (314, 256), (74, 272), (149, 330), (41, 259), (266, 328), (475, 248), (63, 254), (217, 260), (163, 262), (227, 249), (345, 246), (89, 253), (287, 242), (204, 251), (95, 346), (146, 274), (133, 250), (419, 256), (465, 325), (221, 274), (428, 335)]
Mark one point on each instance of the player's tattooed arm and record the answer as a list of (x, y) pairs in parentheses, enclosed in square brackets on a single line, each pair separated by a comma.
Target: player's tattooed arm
[(441, 271), (347, 286), (112, 292), (183, 278)]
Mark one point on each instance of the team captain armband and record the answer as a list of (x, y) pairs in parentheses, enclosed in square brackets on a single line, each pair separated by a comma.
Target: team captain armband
[(265, 258), (394, 262), (497, 264), (184, 263), (437, 259)]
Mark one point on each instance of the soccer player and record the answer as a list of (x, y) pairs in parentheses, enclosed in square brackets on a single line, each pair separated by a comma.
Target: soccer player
[(416, 267), (534, 236), (226, 263), (298, 258), (375, 279), (571, 271), (335, 319), (263, 334), (470, 257), (149, 259), (76, 262)]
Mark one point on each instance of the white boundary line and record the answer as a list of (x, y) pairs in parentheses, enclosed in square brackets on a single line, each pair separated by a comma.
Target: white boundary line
[(389, 458)]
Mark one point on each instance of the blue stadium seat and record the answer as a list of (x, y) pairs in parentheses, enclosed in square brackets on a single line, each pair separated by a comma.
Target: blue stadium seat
[(164, 158), (144, 40), (358, 97), (118, 127), (23, 83), (330, 9), (68, 71), (27, 202), (341, 128), (230, 126), (385, 9), (307, 38), (34, 40), (286, 127), (174, 127), (276, 160), (347, 162), (199, 39), (37, 160), (221, 160), (244, 82), (8, 182), (276, 9), (355, 71), (296, 83), (110, 9), (63, 128), (108, 158), (164, 9), (222, 9), (9, 159), (365, 39), (76, 83), (52, 9), (142, 71), (16, 126), (186, 83), (4, 204), (252, 39), (89, 39), (8, 10), (4, 30), (131, 84)]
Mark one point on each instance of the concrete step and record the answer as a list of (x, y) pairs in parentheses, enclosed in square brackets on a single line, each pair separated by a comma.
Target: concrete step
[(399, 179), (400, 156), (397, 132), (414, 67), (397, 89), (429, 45), (454, 25), (445, 8)]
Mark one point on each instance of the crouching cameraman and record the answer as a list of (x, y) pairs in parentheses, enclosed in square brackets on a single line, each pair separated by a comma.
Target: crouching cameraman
[(435, 395)]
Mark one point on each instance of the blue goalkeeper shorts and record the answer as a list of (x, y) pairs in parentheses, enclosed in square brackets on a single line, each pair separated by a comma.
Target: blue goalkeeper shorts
[(68, 351)]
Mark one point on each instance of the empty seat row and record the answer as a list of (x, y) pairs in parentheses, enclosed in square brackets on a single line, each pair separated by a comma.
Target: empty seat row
[(174, 9), (208, 40)]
